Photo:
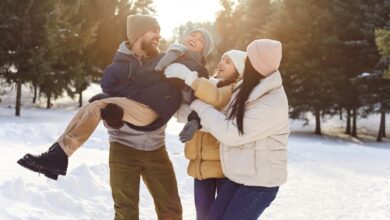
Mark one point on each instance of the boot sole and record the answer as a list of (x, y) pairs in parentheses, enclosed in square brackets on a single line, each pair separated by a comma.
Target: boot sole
[(39, 169)]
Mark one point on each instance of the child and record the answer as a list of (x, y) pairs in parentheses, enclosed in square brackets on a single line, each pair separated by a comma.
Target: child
[(201, 148)]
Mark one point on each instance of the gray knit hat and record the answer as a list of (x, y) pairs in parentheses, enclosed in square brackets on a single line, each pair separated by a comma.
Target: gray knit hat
[(208, 40), (137, 25)]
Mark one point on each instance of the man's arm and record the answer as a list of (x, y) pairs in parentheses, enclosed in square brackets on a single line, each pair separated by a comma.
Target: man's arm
[(115, 80)]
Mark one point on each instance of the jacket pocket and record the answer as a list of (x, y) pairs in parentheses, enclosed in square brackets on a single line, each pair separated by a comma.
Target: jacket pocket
[(271, 164), (277, 153), (239, 161)]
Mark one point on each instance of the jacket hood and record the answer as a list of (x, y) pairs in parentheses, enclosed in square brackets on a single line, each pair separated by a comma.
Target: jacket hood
[(123, 54)]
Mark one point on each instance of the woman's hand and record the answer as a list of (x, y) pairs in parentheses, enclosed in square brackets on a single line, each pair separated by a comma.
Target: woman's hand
[(180, 71)]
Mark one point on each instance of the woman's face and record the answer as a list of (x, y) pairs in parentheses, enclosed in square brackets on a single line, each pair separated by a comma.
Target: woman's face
[(194, 42), (226, 69)]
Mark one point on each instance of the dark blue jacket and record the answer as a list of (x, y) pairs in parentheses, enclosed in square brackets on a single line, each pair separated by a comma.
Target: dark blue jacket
[(126, 77)]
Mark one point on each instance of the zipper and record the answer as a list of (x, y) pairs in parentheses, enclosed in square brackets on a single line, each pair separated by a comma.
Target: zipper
[(200, 141), (130, 72)]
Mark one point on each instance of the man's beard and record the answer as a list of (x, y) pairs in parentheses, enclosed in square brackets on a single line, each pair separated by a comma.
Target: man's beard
[(149, 49)]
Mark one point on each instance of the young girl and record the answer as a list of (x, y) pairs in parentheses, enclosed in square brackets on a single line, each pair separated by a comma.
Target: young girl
[(253, 131), (203, 149)]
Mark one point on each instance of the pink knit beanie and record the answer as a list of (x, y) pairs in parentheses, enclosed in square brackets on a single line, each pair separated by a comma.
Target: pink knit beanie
[(265, 55)]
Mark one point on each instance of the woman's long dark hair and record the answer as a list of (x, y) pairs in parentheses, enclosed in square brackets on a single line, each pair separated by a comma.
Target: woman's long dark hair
[(250, 80)]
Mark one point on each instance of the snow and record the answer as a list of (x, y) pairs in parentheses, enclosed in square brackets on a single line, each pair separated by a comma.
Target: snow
[(329, 178)]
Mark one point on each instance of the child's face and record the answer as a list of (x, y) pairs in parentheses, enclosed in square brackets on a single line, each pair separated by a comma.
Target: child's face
[(195, 42), (226, 69)]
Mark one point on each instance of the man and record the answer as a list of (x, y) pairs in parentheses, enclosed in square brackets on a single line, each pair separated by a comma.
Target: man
[(135, 153)]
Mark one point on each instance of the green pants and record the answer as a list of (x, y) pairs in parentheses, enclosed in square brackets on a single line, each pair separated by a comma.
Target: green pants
[(127, 165)]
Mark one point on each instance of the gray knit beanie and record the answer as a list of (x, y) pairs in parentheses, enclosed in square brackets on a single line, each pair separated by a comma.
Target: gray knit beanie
[(208, 40), (137, 25)]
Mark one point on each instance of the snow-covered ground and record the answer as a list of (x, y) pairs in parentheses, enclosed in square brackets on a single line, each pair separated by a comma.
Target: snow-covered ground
[(329, 178)]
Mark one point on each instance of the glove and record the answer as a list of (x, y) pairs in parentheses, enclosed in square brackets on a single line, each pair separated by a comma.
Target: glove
[(98, 97), (112, 114), (167, 59), (180, 71), (174, 52), (189, 130)]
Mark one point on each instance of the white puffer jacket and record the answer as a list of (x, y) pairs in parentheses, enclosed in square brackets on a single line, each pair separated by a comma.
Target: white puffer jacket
[(259, 156)]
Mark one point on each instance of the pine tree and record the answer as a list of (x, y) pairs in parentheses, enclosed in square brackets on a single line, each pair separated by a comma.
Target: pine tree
[(383, 81), (303, 27), (24, 36), (239, 23), (226, 26), (358, 20), (253, 16)]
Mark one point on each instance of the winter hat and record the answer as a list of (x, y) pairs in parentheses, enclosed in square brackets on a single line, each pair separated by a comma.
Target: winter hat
[(208, 40), (112, 115), (238, 59), (137, 25), (265, 55)]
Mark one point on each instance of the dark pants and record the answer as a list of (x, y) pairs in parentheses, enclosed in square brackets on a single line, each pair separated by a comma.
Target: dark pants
[(205, 192), (237, 201), (127, 165)]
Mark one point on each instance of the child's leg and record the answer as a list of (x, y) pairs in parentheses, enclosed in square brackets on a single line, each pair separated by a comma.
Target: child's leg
[(134, 112), (88, 117)]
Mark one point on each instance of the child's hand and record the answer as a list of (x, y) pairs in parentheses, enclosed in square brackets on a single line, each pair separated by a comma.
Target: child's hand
[(189, 130), (180, 71), (174, 51), (167, 59)]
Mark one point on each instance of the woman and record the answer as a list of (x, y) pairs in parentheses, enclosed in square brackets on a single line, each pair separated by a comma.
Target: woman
[(202, 149), (253, 131)]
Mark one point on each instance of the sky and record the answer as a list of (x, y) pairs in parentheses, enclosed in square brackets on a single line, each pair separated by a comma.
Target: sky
[(173, 13)]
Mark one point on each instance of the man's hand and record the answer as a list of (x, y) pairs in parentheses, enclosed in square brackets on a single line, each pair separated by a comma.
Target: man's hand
[(180, 71), (189, 130), (98, 97)]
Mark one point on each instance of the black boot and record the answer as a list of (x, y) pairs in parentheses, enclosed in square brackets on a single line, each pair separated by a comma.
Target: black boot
[(51, 163)]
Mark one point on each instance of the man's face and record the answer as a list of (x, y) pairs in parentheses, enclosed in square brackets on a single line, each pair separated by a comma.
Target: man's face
[(150, 41)]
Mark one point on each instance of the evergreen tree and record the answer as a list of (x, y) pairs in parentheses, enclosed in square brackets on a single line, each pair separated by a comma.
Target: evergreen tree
[(303, 27), (359, 54), (226, 26), (24, 36), (253, 16), (382, 87)]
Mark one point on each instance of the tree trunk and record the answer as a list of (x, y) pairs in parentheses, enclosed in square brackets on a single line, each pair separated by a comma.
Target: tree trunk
[(384, 124), (48, 104), (318, 122), (354, 122), (341, 113), (381, 126), (80, 99), (35, 93), (18, 95), (348, 129)]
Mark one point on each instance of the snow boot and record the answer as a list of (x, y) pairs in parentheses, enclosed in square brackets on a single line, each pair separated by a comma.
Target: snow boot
[(51, 163)]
